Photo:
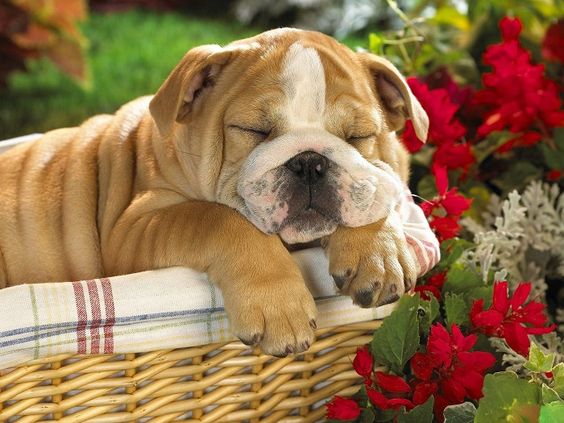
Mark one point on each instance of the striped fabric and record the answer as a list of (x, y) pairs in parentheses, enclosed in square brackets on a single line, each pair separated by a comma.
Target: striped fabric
[(168, 308)]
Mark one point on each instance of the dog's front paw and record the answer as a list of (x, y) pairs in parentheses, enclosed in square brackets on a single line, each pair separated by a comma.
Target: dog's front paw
[(373, 264), (280, 317)]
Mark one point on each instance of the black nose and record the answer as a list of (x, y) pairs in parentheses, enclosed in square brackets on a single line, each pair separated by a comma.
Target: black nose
[(309, 166)]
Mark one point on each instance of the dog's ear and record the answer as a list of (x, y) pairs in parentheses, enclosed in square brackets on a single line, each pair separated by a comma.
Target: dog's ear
[(195, 72), (396, 96)]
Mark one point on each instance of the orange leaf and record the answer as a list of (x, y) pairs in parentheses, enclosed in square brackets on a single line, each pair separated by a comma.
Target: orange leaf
[(35, 37), (68, 56)]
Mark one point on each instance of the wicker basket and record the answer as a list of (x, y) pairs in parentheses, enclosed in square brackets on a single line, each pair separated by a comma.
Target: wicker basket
[(213, 383)]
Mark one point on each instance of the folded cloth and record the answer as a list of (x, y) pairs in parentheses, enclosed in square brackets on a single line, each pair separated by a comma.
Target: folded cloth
[(167, 308)]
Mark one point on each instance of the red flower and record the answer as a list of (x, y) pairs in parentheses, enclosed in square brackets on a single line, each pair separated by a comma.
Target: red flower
[(433, 286), (510, 28), (553, 41), (554, 175), (449, 202), (363, 363), (525, 140), (389, 395), (516, 95), (448, 369), (509, 318), (340, 408), (445, 130)]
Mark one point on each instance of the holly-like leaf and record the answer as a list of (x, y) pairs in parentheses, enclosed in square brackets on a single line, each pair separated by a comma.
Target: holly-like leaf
[(421, 414), (456, 309), (461, 278), (428, 312), (460, 413), (539, 361), (508, 398), (549, 395), (558, 379), (396, 341)]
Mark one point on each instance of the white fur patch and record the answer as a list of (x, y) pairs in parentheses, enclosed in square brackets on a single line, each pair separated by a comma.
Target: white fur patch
[(303, 79)]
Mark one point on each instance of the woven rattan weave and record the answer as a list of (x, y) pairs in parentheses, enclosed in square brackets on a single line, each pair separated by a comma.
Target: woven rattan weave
[(213, 383)]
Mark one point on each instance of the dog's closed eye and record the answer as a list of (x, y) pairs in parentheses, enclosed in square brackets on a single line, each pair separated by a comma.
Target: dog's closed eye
[(257, 133), (356, 138)]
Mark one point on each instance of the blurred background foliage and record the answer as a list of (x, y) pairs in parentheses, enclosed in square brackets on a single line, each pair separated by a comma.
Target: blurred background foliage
[(64, 60)]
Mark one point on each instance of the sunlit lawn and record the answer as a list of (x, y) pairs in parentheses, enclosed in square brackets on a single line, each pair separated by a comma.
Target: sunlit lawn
[(130, 54)]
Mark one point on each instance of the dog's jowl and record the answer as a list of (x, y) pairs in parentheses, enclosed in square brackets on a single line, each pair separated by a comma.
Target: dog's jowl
[(287, 137)]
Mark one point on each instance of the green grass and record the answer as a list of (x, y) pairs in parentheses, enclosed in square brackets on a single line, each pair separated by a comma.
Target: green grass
[(130, 54)]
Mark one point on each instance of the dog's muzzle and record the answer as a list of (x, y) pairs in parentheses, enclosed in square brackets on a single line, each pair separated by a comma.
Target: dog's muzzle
[(302, 185)]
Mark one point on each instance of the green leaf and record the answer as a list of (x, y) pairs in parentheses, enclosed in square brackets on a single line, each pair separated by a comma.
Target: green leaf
[(552, 413), (483, 292), (448, 15), (428, 312), (361, 396), (491, 143), (549, 395), (518, 176), (508, 398), (376, 43), (558, 378), (366, 416), (461, 279), (554, 158), (451, 250), (460, 413), (539, 361), (421, 414), (426, 187), (396, 341), (456, 309)]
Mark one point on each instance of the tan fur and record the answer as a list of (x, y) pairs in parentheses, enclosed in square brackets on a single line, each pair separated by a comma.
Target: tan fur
[(139, 189)]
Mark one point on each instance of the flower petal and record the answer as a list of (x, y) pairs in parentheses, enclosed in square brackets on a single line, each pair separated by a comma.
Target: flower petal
[(500, 300), (392, 383), (422, 366), (520, 295), (340, 408), (422, 391), (363, 362), (516, 337), (377, 398), (396, 403)]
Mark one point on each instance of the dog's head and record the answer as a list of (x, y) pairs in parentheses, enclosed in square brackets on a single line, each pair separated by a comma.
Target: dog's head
[(292, 129)]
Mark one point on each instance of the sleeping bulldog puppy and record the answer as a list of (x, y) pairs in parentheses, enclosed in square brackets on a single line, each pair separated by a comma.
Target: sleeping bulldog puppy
[(284, 138)]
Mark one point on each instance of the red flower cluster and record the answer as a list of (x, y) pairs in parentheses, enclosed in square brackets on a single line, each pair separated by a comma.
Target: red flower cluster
[(433, 286), (510, 318), (448, 369), (516, 95), (445, 131), (445, 210)]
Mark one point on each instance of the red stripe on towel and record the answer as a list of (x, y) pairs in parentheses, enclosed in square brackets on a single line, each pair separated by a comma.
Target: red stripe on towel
[(110, 316), (96, 317), (419, 254), (81, 315)]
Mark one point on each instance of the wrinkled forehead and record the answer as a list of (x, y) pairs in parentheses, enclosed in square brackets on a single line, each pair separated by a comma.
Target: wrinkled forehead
[(318, 79)]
